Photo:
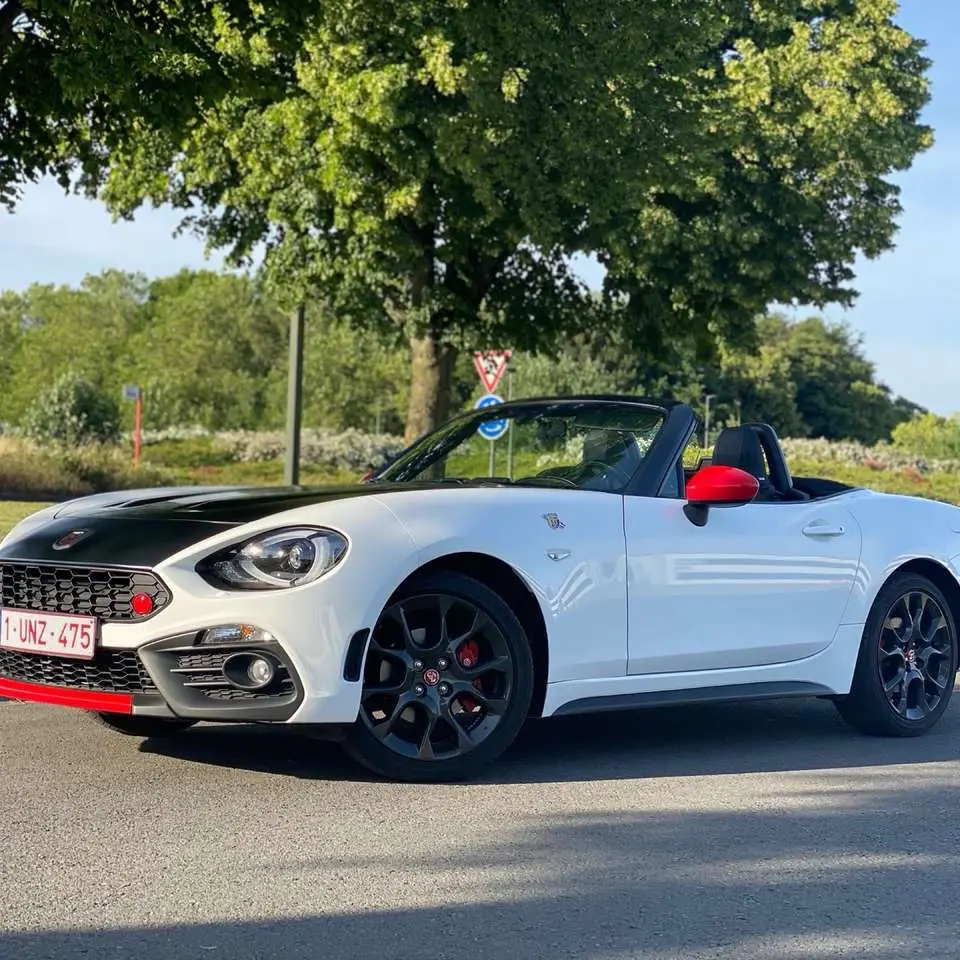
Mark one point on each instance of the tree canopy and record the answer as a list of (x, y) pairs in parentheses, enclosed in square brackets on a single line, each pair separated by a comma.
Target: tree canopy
[(429, 166)]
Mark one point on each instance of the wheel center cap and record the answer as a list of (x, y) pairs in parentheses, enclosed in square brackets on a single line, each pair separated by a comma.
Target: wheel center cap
[(911, 656), (431, 677)]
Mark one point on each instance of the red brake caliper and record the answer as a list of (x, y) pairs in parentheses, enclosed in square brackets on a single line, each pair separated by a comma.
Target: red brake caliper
[(468, 654)]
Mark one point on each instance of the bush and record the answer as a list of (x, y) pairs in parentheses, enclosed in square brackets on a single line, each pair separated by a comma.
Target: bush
[(349, 450), (929, 436), (73, 413), (880, 457), (27, 471), (195, 452)]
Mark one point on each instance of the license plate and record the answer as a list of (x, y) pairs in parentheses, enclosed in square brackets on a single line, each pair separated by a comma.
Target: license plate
[(55, 634)]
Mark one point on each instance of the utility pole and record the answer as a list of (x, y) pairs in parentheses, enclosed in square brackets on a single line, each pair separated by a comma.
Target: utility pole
[(706, 421), (291, 466)]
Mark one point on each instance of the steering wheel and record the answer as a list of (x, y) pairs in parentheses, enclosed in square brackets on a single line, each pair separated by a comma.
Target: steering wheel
[(608, 468)]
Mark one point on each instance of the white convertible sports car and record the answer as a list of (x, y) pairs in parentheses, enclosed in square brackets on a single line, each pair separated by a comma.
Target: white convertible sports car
[(582, 563)]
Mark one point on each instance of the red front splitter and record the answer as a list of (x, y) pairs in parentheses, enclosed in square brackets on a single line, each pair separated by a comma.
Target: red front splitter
[(64, 697)]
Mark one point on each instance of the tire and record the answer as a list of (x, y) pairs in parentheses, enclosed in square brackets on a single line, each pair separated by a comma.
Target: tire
[(447, 682), (143, 726), (907, 663)]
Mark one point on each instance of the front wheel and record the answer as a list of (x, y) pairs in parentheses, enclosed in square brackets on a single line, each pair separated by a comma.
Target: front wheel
[(907, 663), (447, 684), (143, 726)]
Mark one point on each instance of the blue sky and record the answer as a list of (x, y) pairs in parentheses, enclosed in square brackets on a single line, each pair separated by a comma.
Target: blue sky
[(908, 311)]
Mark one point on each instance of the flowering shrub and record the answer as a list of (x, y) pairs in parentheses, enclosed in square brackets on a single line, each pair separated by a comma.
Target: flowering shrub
[(151, 437), (880, 457), (349, 450)]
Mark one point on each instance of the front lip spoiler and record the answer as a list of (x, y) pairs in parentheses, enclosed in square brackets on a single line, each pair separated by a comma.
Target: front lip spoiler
[(97, 700)]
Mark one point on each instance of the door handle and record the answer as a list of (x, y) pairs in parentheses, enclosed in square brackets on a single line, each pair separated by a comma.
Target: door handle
[(820, 528)]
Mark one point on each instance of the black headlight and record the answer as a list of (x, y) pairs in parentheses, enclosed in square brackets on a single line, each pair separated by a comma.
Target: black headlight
[(277, 559)]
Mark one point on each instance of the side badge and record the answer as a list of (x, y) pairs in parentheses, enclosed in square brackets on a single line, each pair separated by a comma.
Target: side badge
[(553, 521), (69, 539)]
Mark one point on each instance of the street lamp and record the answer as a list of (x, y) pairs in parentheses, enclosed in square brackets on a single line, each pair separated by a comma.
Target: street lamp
[(706, 421)]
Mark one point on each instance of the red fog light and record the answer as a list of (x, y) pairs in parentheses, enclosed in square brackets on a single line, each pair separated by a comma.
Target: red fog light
[(142, 604)]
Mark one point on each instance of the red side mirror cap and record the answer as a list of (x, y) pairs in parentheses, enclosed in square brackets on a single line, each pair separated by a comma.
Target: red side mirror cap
[(718, 485)]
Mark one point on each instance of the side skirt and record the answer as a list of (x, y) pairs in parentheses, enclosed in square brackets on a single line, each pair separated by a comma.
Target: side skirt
[(772, 690)]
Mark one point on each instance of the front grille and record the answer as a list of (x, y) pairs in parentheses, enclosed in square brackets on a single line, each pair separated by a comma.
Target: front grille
[(102, 592), (203, 671), (111, 670)]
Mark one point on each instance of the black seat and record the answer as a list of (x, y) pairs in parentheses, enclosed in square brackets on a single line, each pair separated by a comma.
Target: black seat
[(740, 447), (744, 447)]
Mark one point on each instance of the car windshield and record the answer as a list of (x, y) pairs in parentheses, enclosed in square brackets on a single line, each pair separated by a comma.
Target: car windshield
[(591, 445)]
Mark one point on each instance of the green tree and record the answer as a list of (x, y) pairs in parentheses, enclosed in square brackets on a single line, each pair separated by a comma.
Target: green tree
[(205, 350), (12, 313), (84, 330), (714, 156), (837, 394), (761, 381), (351, 378)]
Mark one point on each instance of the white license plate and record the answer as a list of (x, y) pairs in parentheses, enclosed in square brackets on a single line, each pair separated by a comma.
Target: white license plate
[(55, 634)]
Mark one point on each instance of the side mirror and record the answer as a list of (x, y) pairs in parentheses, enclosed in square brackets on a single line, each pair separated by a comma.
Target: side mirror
[(717, 486)]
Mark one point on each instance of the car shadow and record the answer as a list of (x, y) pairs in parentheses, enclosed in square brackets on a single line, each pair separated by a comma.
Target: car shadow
[(691, 741)]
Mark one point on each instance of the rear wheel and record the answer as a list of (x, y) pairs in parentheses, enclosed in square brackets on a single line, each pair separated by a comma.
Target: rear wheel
[(907, 663), (447, 685), (143, 726)]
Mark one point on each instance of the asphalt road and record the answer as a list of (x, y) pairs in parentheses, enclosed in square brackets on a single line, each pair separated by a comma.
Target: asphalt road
[(746, 831)]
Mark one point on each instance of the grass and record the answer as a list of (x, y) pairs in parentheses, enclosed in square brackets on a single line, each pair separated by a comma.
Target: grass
[(13, 511)]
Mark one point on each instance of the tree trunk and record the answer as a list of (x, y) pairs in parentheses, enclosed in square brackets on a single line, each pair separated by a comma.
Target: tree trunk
[(431, 375)]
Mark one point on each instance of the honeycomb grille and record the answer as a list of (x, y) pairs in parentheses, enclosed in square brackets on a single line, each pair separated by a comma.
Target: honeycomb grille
[(111, 671), (105, 593)]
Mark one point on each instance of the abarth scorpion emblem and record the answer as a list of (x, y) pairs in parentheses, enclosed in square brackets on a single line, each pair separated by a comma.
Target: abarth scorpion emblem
[(69, 539), (553, 521)]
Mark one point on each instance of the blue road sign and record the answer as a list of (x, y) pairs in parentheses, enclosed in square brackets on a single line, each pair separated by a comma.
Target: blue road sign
[(491, 429)]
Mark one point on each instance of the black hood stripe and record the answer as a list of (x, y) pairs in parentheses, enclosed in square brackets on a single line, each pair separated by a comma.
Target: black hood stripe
[(144, 531), (109, 541)]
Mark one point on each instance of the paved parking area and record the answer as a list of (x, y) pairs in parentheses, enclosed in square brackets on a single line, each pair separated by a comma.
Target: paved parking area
[(757, 830)]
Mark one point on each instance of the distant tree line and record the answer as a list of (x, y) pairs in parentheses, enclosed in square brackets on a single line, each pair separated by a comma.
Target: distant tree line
[(210, 349)]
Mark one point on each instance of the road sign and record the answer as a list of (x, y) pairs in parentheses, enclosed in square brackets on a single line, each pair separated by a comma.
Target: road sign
[(131, 392), (490, 366), (491, 429)]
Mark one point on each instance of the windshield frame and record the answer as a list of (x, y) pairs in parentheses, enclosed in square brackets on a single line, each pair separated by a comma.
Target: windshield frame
[(678, 424)]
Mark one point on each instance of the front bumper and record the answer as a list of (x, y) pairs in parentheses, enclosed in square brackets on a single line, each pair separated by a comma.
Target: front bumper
[(159, 666), (175, 677)]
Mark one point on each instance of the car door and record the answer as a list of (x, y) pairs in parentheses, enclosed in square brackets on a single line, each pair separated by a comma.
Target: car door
[(762, 583)]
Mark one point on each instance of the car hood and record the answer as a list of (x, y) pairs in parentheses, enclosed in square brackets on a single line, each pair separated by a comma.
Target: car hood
[(142, 527)]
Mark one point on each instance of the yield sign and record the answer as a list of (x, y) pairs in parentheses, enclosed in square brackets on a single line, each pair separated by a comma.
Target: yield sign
[(490, 366)]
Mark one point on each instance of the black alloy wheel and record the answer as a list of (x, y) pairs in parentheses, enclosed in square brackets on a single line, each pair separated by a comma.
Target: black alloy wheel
[(908, 661), (447, 681), (143, 726), (915, 655)]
